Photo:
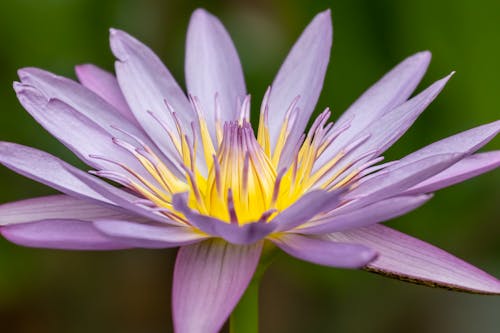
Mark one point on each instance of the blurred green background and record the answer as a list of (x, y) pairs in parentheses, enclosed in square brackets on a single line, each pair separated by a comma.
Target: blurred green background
[(129, 291)]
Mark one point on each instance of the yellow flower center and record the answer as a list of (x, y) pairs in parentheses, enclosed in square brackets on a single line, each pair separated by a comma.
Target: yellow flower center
[(237, 177)]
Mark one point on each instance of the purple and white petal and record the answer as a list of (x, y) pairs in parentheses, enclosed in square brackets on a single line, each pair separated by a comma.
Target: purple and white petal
[(105, 85), (324, 251), (149, 235), (301, 74), (213, 67), (148, 86), (468, 167), (209, 279), (378, 212), (59, 207), (61, 234), (409, 259)]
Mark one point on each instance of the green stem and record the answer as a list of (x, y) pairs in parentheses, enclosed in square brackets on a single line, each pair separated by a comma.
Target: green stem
[(245, 317)]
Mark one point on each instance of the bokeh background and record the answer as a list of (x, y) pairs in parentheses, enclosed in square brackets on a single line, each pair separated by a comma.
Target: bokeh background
[(129, 291)]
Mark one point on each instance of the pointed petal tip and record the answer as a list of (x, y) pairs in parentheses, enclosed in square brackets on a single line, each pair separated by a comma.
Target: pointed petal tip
[(118, 40), (326, 14), (422, 56), (17, 86), (324, 18), (82, 67), (113, 32), (24, 73), (200, 13)]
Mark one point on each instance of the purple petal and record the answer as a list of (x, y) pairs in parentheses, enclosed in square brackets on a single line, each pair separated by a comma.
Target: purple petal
[(389, 92), (79, 133), (465, 143), (147, 84), (305, 208), (409, 259), (209, 280), (60, 234), (47, 169), (325, 252), (470, 166), (395, 181), (387, 129), (233, 233), (120, 197), (301, 74), (148, 235), (57, 207), (213, 67), (105, 85), (378, 212), (55, 173), (79, 98), (424, 163)]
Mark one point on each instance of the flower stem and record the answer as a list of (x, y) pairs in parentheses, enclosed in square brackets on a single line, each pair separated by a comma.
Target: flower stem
[(245, 317)]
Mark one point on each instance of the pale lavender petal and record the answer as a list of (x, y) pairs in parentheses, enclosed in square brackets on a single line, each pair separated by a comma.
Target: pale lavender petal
[(209, 279), (105, 85), (213, 67), (378, 212), (387, 128), (425, 163), (147, 85), (470, 166), (58, 207), (60, 234), (393, 124), (409, 259), (233, 233), (386, 94), (120, 197), (148, 235), (79, 98), (74, 129), (391, 183), (325, 252), (305, 208), (465, 143), (301, 74), (56, 173), (47, 169)]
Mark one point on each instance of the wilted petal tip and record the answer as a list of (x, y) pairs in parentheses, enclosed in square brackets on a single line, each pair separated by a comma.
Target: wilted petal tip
[(368, 256)]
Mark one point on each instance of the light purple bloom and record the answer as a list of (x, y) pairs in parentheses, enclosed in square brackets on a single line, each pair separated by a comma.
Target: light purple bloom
[(192, 173)]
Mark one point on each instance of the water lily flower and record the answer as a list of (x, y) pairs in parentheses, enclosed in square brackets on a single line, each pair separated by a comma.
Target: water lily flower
[(189, 171)]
